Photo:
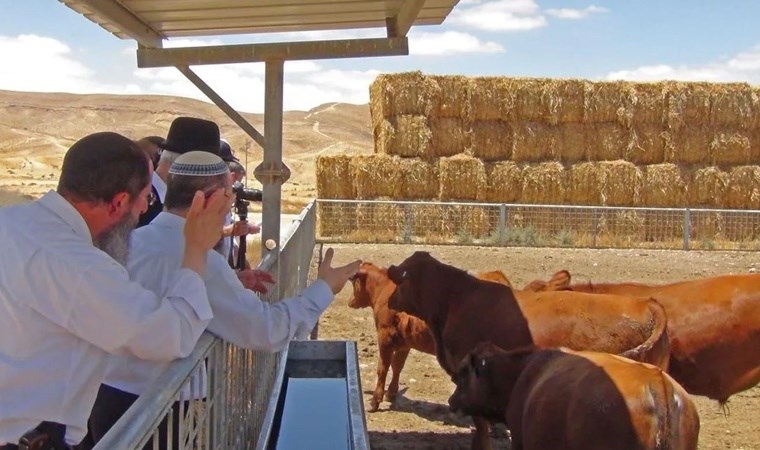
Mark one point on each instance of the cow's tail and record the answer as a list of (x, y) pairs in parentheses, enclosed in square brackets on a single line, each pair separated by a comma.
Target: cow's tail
[(677, 422), (656, 349)]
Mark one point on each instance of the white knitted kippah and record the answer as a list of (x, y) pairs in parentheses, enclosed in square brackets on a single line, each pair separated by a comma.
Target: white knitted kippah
[(198, 163)]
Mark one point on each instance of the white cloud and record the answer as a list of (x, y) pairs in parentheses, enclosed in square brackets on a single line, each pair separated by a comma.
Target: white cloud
[(499, 15), (450, 42), (569, 13), (743, 67), (41, 64)]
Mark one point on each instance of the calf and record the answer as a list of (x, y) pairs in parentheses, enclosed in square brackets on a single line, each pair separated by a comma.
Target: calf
[(397, 333), (561, 399), (714, 326), (462, 311)]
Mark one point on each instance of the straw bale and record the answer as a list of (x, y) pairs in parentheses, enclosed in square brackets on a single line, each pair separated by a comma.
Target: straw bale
[(380, 220), (536, 142), (754, 145), (743, 190), (504, 182), (605, 183), (469, 221), (429, 221), (606, 141), (450, 136), (404, 135), (571, 144), (375, 176), (455, 94), (606, 101), (688, 104), (544, 183), (492, 140), (754, 118), (730, 149), (688, 145), (648, 105), (419, 179), (627, 223), (403, 93), (334, 180), (707, 225), (549, 101), (664, 186), (336, 219), (732, 105), (462, 178), (707, 187), (492, 98), (646, 145)]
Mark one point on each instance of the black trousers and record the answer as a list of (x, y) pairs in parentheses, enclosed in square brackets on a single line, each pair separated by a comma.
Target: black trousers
[(112, 403)]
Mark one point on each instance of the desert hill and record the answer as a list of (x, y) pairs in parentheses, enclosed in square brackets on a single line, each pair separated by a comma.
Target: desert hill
[(37, 128)]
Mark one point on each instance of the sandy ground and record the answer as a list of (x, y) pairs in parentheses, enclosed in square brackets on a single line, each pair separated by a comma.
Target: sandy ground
[(421, 419)]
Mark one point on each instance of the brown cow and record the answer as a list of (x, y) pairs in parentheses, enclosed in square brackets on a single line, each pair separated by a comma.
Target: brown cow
[(462, 311), (397, 333), (561, 399), (714, 327)]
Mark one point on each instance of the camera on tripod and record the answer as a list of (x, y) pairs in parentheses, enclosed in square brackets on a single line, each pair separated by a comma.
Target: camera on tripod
[(243, 193)]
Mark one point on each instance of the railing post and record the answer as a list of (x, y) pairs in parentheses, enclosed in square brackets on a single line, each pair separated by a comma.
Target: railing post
[(686, 228), (596, 226), (502, 225), (408, 217)]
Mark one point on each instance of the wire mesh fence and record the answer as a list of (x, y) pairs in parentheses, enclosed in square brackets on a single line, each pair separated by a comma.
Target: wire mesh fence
[(216, 398), (492, 224)]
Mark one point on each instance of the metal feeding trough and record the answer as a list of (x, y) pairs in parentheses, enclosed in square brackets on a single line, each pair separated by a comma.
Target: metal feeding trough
[(316, 402)]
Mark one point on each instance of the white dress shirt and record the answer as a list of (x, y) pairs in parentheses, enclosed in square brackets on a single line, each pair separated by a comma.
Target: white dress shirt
[(64, 306), (160, 186), (239, 315)]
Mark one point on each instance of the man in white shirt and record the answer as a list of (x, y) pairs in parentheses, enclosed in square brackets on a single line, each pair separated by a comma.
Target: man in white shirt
[(239, 315), (66, 300)]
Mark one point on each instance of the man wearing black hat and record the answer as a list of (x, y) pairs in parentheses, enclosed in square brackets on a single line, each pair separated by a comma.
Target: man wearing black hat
[(185, 134)]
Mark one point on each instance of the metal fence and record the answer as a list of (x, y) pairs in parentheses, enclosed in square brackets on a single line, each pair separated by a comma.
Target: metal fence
[(492, 224), (239, 383)]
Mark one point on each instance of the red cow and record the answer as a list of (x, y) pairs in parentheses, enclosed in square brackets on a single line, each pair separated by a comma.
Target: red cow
[(714, 327), (397, 333), (462, 311), (562, 399)]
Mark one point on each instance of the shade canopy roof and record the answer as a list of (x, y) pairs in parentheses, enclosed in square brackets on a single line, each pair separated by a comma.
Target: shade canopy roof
[(149, 21)]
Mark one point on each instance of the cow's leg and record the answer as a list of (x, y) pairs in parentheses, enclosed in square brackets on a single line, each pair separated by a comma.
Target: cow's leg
[(383, 363), (481, 439), (397, 364)]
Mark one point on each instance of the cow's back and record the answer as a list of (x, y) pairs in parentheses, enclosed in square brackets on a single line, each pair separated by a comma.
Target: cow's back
[(714, 328), (596, 401), (605, 323)]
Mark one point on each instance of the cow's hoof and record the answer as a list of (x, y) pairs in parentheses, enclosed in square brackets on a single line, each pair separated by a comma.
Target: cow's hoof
[(374, 405)]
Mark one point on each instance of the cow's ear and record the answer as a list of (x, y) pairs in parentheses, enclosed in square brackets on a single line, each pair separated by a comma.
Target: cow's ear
[(478, 364), (396, 274)]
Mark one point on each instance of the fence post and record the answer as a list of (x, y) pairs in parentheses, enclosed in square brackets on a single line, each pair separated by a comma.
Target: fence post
[(686, 228), (502, 225), (596, 226), (408, 223)]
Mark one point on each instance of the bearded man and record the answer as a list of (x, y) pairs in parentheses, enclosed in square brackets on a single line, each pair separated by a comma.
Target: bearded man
[(66, 300)]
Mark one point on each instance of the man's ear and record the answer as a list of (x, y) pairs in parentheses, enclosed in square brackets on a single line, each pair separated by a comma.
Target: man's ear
[(118, 203)]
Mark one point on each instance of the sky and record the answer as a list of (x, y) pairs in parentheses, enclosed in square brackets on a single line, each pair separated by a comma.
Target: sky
[(47, 47)]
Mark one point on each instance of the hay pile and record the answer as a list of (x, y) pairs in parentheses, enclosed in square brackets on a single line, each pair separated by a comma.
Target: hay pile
[(552, 141)]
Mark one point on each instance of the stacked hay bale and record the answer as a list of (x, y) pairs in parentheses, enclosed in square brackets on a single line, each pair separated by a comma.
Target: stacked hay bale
[(546, 141)]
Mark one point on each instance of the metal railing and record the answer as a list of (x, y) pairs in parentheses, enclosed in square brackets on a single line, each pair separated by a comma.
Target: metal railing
[(504, 224), (239, 382)]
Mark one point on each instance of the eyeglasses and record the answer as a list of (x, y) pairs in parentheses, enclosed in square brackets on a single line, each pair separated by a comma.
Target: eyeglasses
[(151, 198)]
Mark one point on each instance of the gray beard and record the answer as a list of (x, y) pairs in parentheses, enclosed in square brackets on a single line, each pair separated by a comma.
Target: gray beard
[(115, 240)]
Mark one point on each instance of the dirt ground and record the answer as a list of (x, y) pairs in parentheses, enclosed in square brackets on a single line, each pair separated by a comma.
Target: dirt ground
[(421, 419)]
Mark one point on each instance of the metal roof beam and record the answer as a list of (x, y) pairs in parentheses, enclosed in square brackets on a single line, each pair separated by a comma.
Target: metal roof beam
[(126, 21), (285, 51), (223, 105), (400, 24)]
